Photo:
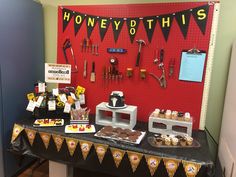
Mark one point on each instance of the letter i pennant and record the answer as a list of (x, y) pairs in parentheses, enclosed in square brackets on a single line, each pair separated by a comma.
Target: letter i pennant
[(85, 148), (191, 169), (171, 166), (134, 159), (71, 144), (118, 155)]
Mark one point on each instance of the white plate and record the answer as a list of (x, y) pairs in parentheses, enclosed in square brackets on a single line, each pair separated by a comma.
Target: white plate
[(68, 130), (51, 123), (111, 107)]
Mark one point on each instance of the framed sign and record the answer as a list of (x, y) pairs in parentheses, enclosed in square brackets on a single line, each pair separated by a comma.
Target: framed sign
[(57, 73)]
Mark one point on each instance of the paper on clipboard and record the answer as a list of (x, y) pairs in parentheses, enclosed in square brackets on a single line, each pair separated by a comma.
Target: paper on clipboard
[(192, 66)]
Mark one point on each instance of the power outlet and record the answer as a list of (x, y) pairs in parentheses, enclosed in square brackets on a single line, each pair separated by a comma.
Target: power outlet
[(226, 159)]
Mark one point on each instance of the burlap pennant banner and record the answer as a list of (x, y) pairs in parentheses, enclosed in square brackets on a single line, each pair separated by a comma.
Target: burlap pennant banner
[(118, 155), (153, 163), (58, 140), (46, 138), (85, 148), (71, 144), (101, 150), (191, 168), (134, 158), (31, 135), (171, 165), (17, 129)]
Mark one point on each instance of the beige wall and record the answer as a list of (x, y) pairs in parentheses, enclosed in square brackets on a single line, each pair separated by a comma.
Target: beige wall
[(226, 34)]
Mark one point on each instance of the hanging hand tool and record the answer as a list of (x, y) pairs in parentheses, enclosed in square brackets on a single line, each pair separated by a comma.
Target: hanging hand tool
[(67, 45), (162, 78), (87, 44), (85, 69), (92, 75), (84, 44), (155, 61), (171, 67), (96, 50), (140, 43)]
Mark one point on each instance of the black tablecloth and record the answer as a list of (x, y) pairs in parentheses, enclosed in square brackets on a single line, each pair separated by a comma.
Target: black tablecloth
[(200, 155)]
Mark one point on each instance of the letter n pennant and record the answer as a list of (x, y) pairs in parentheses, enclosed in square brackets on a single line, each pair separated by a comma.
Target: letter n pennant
[(85, 147), (71, 144), (153, 163), (117, 24), (78, 21), (165, 22), (200, 15), (171, 166), (118, 155), (150, 25), (183, 19), (191, 168), (90, 23), (134, 159), (101, 150), (66, 17)]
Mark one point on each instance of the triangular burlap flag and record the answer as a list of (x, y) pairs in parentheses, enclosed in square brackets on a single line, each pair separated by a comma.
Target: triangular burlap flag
[(46, 138), (17, 129), (171, 166), (153, 163), (134, 158), (58, 140), (118, 155), (101, 150), (191, 168), (31, 135), (85, 148), (71, 144)]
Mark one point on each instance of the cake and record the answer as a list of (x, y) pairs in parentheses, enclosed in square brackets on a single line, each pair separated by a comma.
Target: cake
[(116, 99), (174, 141)]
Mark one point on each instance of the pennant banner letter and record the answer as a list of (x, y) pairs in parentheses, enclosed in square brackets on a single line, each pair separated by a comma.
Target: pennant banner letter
[(134, 159), (165, 22), (85, 148), (117, 155), (171, 166), (103, 26), (58, 140), (78, 21), (66, 17), (150, 25), (117, 24), (200, 15), (91, 23), (101, 150), (31, 135), (183, 19), (153, 163), (71, 144), (17, 129), (46, 138), (191, 169), (132, 25)]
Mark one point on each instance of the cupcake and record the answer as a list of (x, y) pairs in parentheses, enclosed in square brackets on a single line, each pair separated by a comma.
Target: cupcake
[(182, 142), (189, 140), (156, 113), (174, 141), (162, 113), (168, 141), (187, 117), (158, 141), (174, 115), (168, 114), (180, 116)]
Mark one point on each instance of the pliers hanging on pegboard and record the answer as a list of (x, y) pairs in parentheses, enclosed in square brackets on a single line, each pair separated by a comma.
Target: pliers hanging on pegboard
[(162, 78), (67, 45)]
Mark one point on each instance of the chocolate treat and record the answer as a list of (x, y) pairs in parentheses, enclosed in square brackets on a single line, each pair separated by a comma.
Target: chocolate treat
[(158, 141), (162, 113), (180, 116), (108, 128), (118, 130), (123, 136), (182, 142)]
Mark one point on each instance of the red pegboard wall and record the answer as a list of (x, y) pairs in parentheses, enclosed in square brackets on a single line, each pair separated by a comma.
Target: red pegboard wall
[(146, 94)]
